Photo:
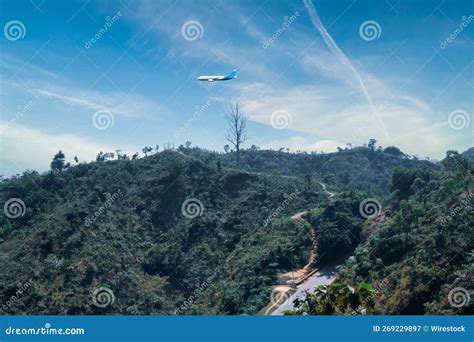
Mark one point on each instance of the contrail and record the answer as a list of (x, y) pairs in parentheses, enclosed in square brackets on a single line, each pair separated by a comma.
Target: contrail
[(335, 49)]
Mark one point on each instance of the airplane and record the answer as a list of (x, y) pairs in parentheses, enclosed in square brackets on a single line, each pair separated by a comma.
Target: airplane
[(232, 75)]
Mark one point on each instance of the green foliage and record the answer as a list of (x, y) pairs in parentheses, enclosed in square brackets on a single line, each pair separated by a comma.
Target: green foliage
[(425, 249), (336, 298), (120, 224), (393, 150), (356, 169), (58, 163), (338, 226)]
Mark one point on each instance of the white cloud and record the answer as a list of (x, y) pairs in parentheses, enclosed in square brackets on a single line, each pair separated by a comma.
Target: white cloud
[(326, 146), (33, 149), (217, 44), (48, 85), (336, 119), (118, 104), (296, 143)]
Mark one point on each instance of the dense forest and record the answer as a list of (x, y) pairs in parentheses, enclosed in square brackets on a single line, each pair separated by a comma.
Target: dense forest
[(189, 231), (416, 254)]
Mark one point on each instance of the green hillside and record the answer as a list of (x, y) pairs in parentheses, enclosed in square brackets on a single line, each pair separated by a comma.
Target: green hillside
[(189, 232)]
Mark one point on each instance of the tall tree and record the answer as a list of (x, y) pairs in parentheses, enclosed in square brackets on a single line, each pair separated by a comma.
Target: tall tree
[(237, 128), (371, 144), (57, 165)]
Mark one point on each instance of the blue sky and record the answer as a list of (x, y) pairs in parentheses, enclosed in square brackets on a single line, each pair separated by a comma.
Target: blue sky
[(296, 90)]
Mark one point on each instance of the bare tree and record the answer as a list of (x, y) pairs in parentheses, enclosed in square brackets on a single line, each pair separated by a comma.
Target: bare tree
[(236, 132)]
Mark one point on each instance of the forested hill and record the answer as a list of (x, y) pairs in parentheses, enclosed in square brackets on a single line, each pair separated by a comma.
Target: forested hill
[(420, 257), (188, 231), (469, 153), (361, 168)]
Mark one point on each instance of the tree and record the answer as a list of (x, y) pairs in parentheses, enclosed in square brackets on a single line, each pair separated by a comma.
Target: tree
[(402, 180), (393, 150), (146, 149), (100, 156), (236, 132), (226, 148), (109, 155), (454, 162), (57, 165), (337, 298), (371, 144)]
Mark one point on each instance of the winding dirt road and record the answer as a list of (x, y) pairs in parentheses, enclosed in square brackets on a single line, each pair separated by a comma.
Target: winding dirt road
[(300, 278)]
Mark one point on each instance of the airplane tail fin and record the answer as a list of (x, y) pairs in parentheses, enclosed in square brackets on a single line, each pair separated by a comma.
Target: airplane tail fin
[(233, 74)]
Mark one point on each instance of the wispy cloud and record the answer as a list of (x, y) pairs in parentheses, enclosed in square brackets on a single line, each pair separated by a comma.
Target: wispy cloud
[(128, 106), (298, 143), (218, 44), (336, 50), (41, 83), (42, 146), (313, 111)]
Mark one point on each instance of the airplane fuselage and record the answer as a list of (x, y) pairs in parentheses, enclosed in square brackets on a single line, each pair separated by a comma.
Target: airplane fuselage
[(232, 75), (213, 78)]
